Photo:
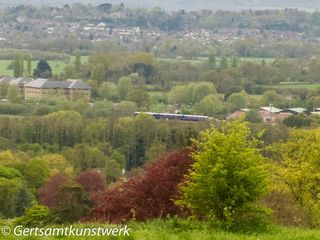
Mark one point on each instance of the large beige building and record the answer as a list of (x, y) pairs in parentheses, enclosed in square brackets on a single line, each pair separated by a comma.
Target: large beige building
[(40, 88), (43, 88)]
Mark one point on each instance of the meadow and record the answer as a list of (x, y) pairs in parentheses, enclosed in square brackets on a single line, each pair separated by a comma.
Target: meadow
[(57, 66), (188, 230), (294, 85)]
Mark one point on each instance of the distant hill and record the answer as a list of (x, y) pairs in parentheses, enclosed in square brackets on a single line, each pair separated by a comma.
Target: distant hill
[(310, 5)]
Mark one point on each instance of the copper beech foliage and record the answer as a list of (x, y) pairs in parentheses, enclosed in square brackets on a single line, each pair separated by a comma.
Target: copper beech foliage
[(92, 181), (50, 194), (148, 195)]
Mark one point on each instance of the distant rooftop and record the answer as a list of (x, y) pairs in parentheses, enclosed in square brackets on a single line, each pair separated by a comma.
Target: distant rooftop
[(245, 109), (271, 109), (20, 81), (49, 84), (297, 110)]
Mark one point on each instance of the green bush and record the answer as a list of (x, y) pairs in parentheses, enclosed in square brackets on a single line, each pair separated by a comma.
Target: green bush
[(35, 216), (9, 173), (297, 121), (43, 110), (227, 177), (12, 108)]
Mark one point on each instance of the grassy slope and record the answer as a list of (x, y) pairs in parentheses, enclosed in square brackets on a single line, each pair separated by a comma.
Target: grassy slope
[(157, 230)]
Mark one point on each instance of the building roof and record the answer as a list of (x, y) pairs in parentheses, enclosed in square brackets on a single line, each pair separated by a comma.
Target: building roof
[(6, 79), (20, 81), (49, 84), (271, 109), (317, 109), (245, 109), (78, 84), (297, 110), (315, 113)]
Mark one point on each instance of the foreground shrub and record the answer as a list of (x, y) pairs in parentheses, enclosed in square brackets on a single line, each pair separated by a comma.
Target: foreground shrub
[(36, 216), (148, 195), (296, 170), (227, 176), (285, 211)]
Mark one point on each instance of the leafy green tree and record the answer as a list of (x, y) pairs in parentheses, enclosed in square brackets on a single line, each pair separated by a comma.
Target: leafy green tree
[(72, 205), (212, 60), (179, 95), (56, 164), (272, 97), (156, 150), (29, 65), (253, 116), (17, 66), (238, 100), (210, 105), (234, 62), (227, 176), (98, 73), (63, 128), (108, 90), (36, 172), (36, 216), (202, 90), (9, 190), (125, 86), (297, 121), (4, 90), (223, 62), (69, 71), (126, 107), (13, 93), (230, 82), (210, 76), (7, 158), (113, 171), (140, 97), (23, 201), (84, 157), (77, 62), (296, 169), (313, 102), (22, 67), (9, 173)]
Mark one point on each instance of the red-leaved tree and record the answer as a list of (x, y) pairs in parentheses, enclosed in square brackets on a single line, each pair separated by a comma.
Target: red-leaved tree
[(92, 181), (67, 200), (49, 193), (146, 196)]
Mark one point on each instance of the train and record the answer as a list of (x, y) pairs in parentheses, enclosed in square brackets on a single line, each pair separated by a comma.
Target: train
[(171, 116)]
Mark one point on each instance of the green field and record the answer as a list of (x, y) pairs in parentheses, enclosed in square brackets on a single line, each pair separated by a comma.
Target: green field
[(294, 85), (57, 66), (176, 230)]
